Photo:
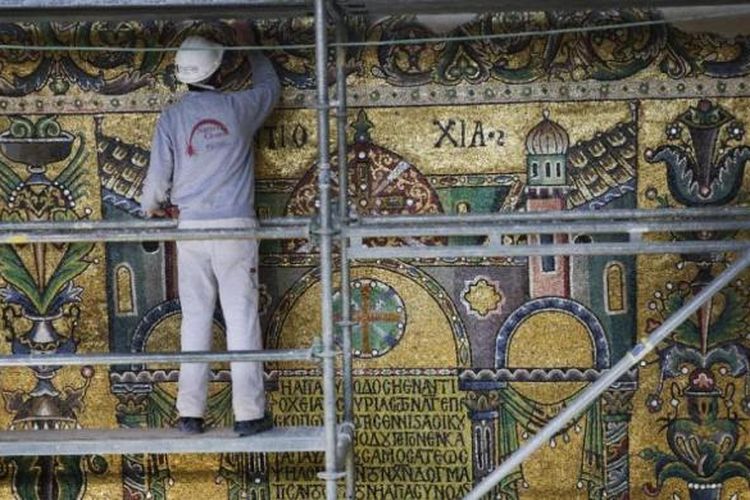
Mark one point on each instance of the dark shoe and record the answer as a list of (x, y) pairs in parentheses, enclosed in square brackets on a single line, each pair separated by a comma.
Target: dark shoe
[(249, 427), (190, 425)]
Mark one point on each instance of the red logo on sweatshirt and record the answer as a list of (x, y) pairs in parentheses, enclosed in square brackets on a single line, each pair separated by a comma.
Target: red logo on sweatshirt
[(210, 129)]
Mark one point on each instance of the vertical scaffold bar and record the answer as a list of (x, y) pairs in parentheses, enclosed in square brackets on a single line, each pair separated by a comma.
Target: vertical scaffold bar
[(326, 248), (346, 327), (635, 355)]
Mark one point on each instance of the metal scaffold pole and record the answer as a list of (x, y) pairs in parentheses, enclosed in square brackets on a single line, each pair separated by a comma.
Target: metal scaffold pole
[(343, 202), (589, 395), (325, 242)]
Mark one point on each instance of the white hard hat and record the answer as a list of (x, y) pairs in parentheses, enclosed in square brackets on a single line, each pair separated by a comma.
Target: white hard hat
[(197, 59)]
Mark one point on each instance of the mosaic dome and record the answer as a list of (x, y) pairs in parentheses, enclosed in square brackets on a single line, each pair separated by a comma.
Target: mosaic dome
[(547, 138)]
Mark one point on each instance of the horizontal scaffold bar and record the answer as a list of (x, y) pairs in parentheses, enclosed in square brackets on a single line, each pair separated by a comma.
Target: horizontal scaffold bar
[(496, 250), (610, 221), (138, 440), (629, 214), (80, 10), (156, 357), (394, 7), (468, 227), (22, 10), (93, 231)]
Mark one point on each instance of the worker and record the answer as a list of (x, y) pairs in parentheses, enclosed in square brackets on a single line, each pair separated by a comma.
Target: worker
[(202, 162)]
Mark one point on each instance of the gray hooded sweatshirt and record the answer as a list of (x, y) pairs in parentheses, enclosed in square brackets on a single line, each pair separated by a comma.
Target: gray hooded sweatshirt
[(202, 154)]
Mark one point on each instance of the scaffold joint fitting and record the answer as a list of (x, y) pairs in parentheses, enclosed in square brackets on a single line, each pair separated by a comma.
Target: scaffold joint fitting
[(332, 475)]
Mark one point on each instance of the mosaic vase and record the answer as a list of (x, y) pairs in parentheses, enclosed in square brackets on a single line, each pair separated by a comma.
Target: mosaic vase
[(703, 441)]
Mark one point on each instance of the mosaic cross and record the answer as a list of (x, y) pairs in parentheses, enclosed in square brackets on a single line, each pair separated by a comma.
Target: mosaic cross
[(379, 315)]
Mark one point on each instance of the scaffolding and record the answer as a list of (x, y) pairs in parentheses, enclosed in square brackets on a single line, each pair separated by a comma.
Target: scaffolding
[(335, 227)]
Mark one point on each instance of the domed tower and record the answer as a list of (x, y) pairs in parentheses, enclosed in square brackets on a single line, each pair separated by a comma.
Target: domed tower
[(547, 155), (546, 187)]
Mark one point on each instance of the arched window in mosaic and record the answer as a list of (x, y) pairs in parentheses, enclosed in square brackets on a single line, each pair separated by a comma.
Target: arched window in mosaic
[(124, 290), (484, 447), (489, 449), (548, 261), (150, 246), (479, 447), (614, 287)]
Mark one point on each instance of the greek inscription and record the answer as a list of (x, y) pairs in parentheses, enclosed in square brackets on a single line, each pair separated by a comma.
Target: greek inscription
[(460, 133), (283, 136), (412, 438)]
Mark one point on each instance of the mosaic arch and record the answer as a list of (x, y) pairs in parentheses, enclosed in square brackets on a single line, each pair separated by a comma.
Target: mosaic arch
[(411, 273), (548, 304), (381, 182), (156, 317)]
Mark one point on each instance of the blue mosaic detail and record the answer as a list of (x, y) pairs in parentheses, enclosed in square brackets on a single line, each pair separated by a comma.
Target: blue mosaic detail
[(576, 309)]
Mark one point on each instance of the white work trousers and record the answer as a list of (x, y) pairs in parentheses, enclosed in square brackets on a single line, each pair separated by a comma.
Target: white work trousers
[(228, 268)]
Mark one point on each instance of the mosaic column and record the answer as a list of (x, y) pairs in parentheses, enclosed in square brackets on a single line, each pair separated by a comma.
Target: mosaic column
[(483, 413), (618, 409), (246, 475), (483, 403), (142, 405)]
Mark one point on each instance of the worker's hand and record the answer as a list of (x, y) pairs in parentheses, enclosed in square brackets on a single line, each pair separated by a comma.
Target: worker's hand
[(172, 211), (165, 211), (158, 212), (243, 32)]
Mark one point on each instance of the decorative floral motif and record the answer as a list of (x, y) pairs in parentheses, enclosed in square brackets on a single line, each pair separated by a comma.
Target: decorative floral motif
[(703, 168), (104, 72), (736, 130), (41, 309), (673, 131), (711, 342), (704, 443), (723, 322), (604, 55), (482, 297)]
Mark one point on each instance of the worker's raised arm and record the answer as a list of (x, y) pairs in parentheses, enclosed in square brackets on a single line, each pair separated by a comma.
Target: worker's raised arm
[(159, 177), (265, 80), (264, 94)]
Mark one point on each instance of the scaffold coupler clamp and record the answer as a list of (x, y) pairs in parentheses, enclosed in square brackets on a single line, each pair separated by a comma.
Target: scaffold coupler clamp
[(316, 230), (344, 444), (344, 448), (352, 220), (319, 353), (332, 475)]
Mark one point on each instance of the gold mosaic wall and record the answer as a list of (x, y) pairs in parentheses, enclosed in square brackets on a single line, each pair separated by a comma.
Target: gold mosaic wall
[(457, 361)]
